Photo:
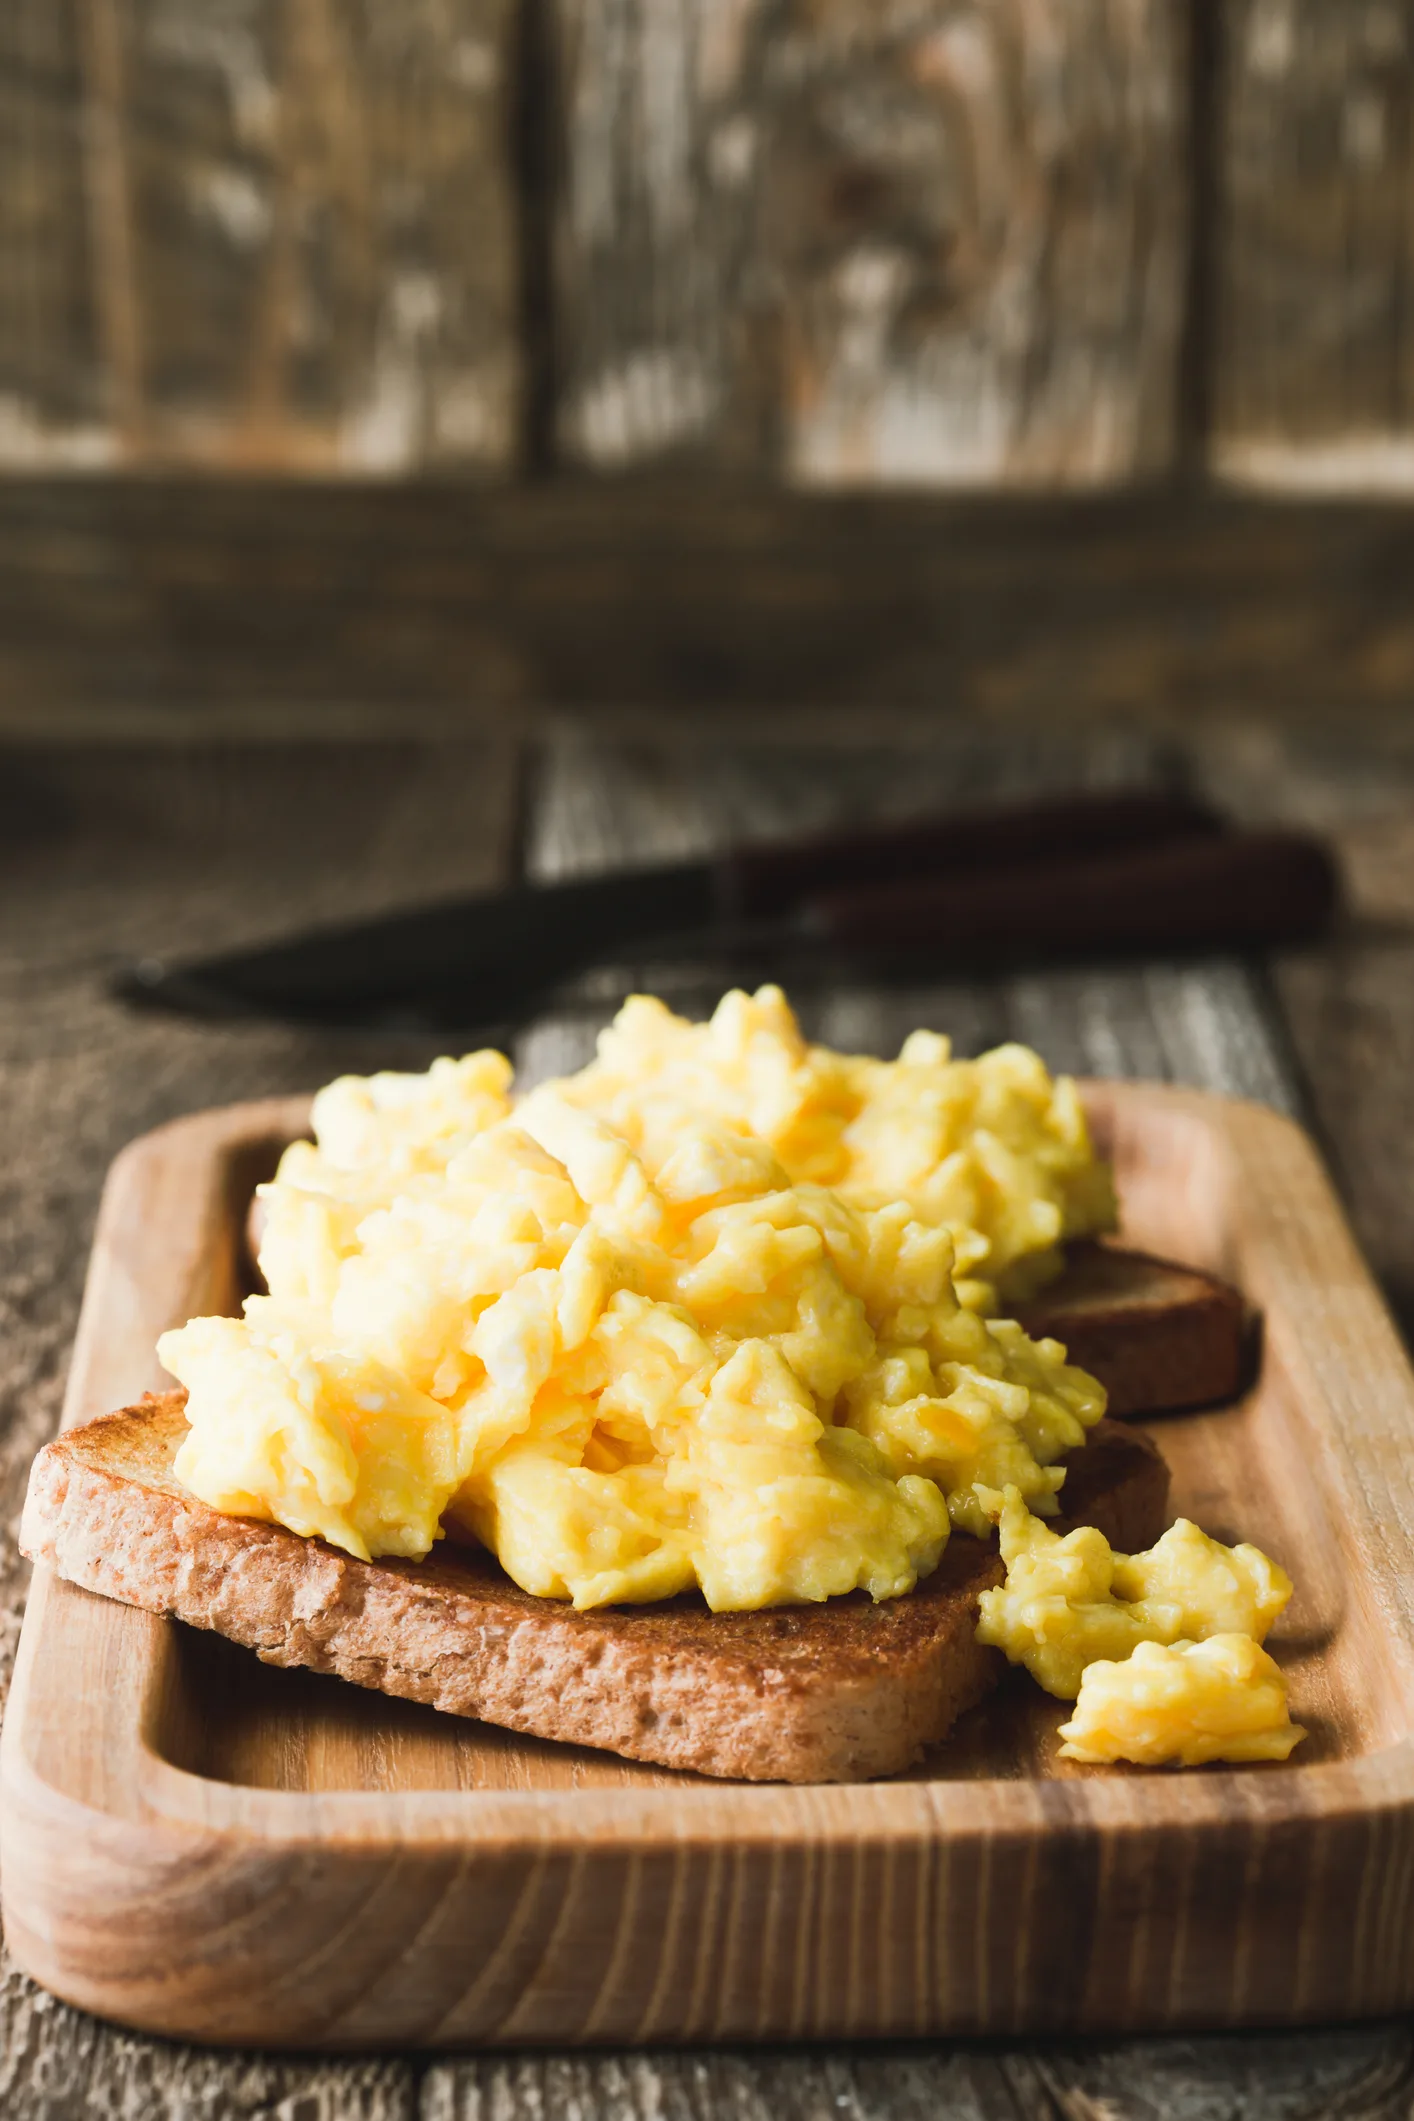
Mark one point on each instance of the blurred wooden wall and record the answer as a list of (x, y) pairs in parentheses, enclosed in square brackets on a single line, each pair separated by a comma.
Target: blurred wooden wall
[(853, 241), (659, 295), (932, 243), (246, 234)]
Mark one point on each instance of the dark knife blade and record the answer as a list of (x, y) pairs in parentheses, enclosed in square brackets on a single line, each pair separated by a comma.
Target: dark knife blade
[(467, 960), (485, 959)]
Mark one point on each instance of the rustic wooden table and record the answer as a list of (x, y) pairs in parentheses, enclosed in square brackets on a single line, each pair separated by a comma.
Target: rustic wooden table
[(126, 851)]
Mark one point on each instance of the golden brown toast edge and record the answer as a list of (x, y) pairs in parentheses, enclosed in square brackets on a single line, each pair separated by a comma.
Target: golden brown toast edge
[(840, 1692)]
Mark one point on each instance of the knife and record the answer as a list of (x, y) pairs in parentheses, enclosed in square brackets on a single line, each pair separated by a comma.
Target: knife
[(1083, 877), (478, 959)]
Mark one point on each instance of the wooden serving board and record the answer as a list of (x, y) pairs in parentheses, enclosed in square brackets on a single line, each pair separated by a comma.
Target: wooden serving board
[(206, 1847)]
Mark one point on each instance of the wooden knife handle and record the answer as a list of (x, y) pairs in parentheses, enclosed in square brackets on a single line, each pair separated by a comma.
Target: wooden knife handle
[(1246, 891), (758, 882)]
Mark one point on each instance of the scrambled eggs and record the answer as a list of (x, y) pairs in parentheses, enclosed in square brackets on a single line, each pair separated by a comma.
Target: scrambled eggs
[(1159, 1651), (688, 1317), (993, 1148), (1223, 1699), (1067, 1602)]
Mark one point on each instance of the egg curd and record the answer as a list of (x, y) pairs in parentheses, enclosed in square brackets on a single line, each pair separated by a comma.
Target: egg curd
[(688, 1317), (1189, 1702), (1160, 1651), (994, 1148)]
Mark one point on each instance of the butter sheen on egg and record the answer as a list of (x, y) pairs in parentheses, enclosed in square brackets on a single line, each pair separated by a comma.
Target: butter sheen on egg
[(689, 1317)]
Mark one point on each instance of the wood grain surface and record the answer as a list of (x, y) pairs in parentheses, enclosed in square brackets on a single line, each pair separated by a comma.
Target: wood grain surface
[(858, 242), (251, 611), (100, 855), (244, 236), (836, 242), (53, 385), (1313, 359), (1362, 2075)]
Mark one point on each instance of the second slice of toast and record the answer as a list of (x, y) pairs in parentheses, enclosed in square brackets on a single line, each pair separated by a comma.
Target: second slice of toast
[(1159, 1336), (839, 1692)]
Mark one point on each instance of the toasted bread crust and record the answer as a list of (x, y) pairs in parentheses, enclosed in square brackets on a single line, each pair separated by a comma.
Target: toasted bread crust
[(1159, 1336), (840, 1692)]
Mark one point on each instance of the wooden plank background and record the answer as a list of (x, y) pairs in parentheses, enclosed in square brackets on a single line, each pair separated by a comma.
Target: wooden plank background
[(938, 243), (871, 240), (1314, 357), (237, 609), (239, 235)]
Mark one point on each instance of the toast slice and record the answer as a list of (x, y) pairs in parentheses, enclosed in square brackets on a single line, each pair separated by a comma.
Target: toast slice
[(1159, 1337), (832, 1693)]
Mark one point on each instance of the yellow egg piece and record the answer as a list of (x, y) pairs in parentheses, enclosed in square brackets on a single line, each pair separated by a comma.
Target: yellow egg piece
[(1068, 1602), (1185, 1703)]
